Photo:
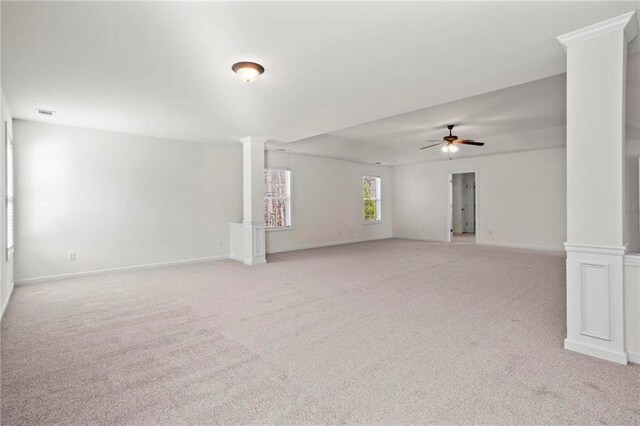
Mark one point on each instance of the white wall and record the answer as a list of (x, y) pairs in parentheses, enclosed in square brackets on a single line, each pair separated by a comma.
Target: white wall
[(327, 202), (632, 154), (632, 217), (632, 307), (632, 189), (521, 198), (6, 264), (119, 200)]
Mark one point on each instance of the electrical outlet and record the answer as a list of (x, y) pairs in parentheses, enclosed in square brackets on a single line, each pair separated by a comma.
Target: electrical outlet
[(220, 243), (72, 255), (490, 231)]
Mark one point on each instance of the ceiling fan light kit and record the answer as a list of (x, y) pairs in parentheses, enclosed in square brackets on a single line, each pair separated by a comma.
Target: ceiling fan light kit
[(450, 141)]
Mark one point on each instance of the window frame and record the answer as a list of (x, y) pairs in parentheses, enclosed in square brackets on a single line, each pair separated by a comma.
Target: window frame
[(377, 199), (288, 200), (9, 188)]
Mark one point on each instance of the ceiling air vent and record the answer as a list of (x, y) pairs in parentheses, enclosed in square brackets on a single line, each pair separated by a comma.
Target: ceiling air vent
[(46, 112)]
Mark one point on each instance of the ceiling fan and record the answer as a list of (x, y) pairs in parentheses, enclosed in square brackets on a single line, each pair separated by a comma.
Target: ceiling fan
[(450, 141)]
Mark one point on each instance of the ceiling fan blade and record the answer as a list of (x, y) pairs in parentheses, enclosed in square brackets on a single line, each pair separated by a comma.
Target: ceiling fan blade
[(431, 146), (470, 142)]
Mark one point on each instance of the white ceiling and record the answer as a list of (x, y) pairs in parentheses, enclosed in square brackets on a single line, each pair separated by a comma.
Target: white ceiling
[(523, 117), (163, 68)]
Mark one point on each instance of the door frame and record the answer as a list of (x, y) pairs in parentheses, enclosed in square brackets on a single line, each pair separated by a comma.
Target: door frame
[(450, 204)]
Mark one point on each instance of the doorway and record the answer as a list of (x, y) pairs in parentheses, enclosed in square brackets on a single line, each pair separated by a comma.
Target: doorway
[(462, 214)]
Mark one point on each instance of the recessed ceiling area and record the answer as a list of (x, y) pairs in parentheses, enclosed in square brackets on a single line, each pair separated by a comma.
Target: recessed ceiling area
[(524, 117), (163, 69)]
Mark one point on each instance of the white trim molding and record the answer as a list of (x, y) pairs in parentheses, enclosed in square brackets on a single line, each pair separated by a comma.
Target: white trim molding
[(627, 23), (6, 302), (595, 301), (597, 352), (632, 259), (254, 243), (521, 246), (327, 244), (590, 249), (632, 306), (58, 277), (247, 242)]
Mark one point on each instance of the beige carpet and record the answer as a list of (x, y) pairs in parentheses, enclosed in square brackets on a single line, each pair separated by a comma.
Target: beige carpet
[(383, 332), (466, 238)]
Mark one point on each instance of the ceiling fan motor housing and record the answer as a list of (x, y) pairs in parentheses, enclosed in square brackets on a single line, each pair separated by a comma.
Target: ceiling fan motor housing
[(450, 138)]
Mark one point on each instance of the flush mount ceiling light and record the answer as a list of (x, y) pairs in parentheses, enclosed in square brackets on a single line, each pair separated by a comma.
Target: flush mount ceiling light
[(247, 71), (46, 112)]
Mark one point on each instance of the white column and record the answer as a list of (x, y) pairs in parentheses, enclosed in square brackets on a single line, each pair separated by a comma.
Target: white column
[(596, 74), (253, 200)]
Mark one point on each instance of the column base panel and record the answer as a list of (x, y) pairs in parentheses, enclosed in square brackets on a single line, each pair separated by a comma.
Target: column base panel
[(251, 262), (586, 349)]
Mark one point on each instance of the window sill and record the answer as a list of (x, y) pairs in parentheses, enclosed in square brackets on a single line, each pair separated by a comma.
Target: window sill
[(284, 228), (371, 222)]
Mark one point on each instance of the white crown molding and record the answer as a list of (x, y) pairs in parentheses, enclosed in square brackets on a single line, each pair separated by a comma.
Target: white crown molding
[(584, 248), (627, 22)]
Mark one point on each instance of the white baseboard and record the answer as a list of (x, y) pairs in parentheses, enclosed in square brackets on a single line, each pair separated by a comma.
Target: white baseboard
[(586, 349), (329, 244), (634, 357), (36, 280), (429, 240), (507, 245), (47, 278), (6, 302), (523, 246)]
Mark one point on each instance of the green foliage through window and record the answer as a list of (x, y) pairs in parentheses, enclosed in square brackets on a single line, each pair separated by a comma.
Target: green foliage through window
[(371, 197)]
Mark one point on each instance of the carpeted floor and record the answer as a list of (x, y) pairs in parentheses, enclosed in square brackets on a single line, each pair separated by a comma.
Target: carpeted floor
[(466, 238), (390, 331)]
